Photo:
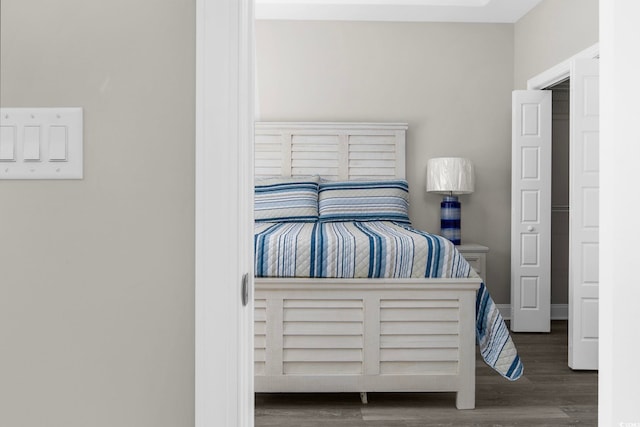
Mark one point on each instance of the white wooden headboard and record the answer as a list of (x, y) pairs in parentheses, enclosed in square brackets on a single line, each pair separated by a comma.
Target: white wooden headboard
[(333, 150)]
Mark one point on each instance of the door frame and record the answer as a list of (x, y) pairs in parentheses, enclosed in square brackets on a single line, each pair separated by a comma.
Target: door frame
[(224, 212), (561, 71), (224, 29)]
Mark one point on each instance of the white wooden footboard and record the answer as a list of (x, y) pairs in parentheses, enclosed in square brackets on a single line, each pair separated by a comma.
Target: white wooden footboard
[(357, 335)]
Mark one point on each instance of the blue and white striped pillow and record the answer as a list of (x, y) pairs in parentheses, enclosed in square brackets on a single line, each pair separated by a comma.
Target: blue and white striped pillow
[(384, 200), (286, 199)]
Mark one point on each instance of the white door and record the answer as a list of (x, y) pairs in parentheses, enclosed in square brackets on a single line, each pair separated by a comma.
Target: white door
[(531, 211), (584, 219), (224, 214)]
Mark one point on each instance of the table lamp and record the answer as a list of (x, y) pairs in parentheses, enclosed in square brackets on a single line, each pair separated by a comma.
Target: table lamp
[(450, 176)]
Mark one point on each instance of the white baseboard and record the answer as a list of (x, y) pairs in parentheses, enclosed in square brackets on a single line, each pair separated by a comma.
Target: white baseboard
[(558, 311)]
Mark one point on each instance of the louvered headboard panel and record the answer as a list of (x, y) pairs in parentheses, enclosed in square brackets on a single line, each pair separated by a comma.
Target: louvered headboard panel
[(332, 150)]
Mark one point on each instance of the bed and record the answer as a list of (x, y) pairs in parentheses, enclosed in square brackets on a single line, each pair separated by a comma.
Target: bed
[(322, 327)]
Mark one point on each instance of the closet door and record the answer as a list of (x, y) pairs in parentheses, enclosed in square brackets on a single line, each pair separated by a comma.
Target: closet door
[(584, 220), (531, 211)]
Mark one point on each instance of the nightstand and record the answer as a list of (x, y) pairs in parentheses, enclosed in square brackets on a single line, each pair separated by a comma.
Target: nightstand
[(476, 255)]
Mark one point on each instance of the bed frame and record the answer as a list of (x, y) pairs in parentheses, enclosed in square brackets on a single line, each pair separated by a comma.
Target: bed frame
[(357, 335)]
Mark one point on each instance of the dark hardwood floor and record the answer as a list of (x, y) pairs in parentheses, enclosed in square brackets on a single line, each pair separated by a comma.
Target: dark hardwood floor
[(548, 394)]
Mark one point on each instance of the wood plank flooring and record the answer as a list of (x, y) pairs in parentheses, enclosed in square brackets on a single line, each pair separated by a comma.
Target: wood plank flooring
[(548, 394)]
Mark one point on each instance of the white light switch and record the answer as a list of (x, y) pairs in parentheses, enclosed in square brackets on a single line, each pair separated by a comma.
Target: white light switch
[(41, 143), (58, 143), (31, 143), (7, 143)]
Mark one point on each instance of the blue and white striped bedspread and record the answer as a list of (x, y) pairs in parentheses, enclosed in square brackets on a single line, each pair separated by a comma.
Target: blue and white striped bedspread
[(380, 249)]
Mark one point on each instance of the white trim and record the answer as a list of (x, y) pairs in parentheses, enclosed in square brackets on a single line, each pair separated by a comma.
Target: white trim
[(561, 71), (503, 11), (246, 118), (224, 155), (558, 311)]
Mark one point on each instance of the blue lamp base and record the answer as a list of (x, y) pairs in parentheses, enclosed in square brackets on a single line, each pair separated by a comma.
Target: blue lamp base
[(450, 219)]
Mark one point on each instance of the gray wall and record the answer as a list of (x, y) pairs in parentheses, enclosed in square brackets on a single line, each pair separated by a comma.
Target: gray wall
[(451, 82), (551, 33), (97, 275)]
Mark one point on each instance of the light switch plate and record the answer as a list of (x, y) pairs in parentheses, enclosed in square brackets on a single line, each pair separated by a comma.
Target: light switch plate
[(46, 142)]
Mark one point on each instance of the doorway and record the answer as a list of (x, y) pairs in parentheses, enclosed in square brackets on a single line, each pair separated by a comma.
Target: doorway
[(560, 209), (532, 204)]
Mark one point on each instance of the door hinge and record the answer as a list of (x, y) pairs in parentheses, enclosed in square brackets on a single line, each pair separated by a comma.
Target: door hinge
[(245, 289)]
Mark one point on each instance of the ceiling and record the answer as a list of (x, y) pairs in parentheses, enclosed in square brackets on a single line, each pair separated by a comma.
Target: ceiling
[(494, 11)]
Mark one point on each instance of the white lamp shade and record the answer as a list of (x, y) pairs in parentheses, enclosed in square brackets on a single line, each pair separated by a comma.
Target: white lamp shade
[(450, 175)]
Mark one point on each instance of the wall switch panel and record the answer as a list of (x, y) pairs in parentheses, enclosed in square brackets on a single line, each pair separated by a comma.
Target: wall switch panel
[(41, 143)]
